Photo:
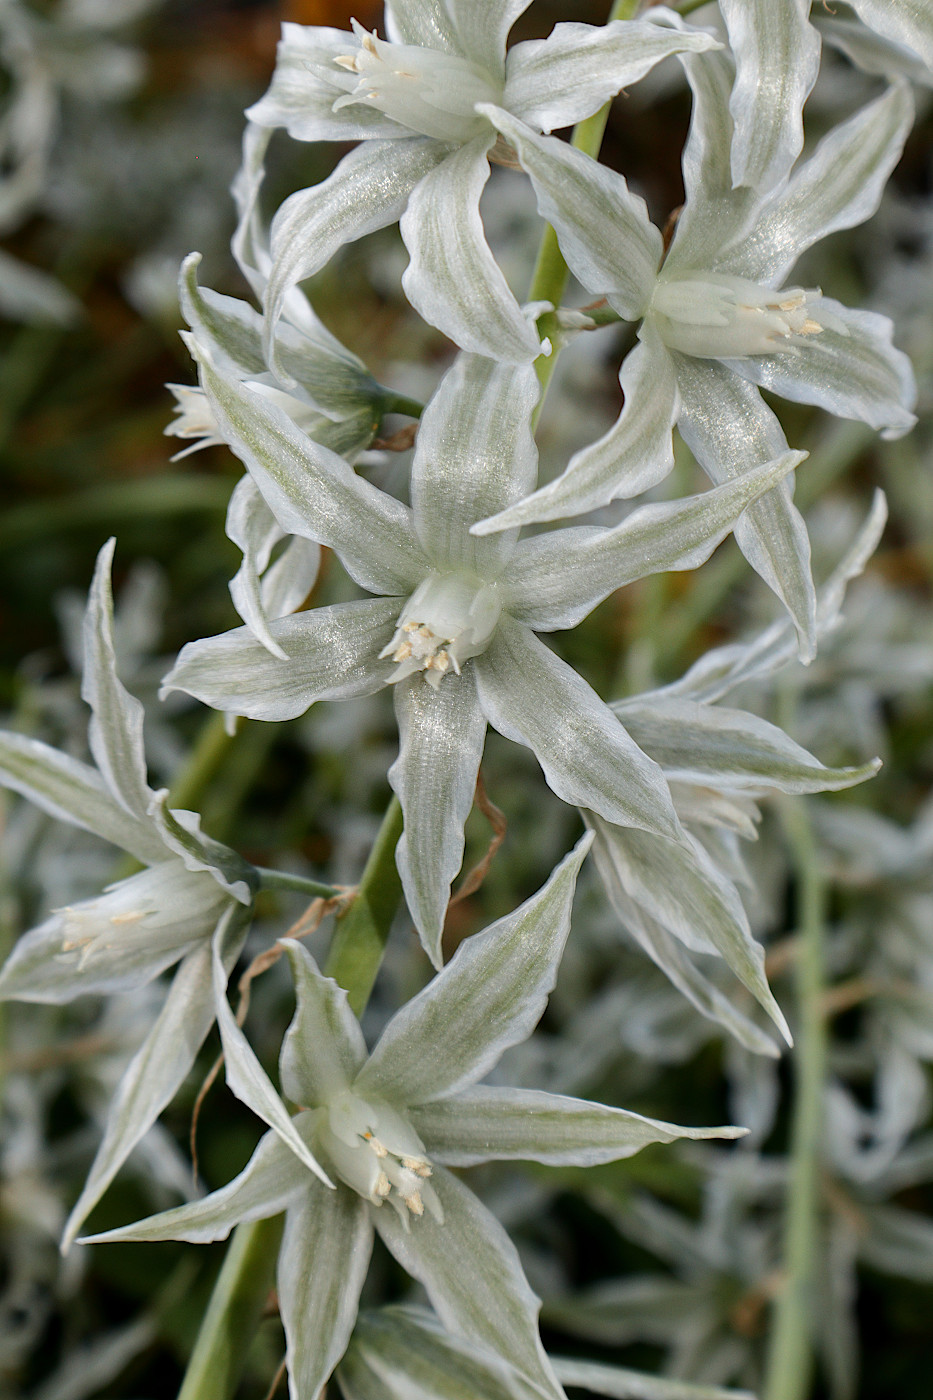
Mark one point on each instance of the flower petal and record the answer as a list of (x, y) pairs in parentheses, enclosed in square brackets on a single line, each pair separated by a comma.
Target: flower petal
[(441, 735), (398, 1352), (368, 190), (728, 428), (254, 529), (777, 59), (332, 655), (474, 454), (246, 1077), (323, 1048), (323, 1261), (555, 579), (907, 22), (270, 1181), (694, 742), (115, 732), (311, 491), (838, 187), (619, 1383), (423, 22), (301, 99), (473, 1278), (557, 81), (151, 1079), (859, 374), (534, 698), (482, 27), (680, 887), (604, 230), (490, 995), (714, 213), (635, 454), (491, 1124), (453, 280), (74, 792), (182, 834)]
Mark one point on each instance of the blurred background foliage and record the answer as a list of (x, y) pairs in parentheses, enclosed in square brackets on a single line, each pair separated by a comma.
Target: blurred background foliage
[(135, 182)]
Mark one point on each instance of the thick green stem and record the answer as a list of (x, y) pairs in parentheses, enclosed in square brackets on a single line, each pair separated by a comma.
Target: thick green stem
[(362, 932), (234, 1311), (549, 279), (790, 1355)]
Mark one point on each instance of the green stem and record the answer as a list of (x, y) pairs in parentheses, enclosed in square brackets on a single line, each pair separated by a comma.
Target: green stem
[(789, 1365), (551, 273), (205, 758), (284, 880), (363, 930), (401, 403), (234, 1311)]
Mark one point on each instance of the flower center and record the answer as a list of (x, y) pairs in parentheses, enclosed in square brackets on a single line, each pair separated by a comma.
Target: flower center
[(449, 618), (379, 1155), (428, 91), (717, 316)]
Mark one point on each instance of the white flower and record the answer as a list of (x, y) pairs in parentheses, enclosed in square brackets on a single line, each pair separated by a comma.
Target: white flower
[(412, 101), (453, 629), (718, 320), (390, 1124), (168, 913)]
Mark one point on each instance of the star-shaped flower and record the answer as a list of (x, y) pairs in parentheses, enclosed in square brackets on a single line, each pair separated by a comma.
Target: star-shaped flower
[(424, 154), (718, 319), (453, 631), (388, 1126), (167, 913)]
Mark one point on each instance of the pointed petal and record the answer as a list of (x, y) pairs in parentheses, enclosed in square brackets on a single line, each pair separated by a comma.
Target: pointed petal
[(681, 888), (74, 792), (473, 1278), (908, 22), (182, 834), (838, 187), (441, 736), (332, 654), (322, 1265), (859, 374), (311, 491), (271, 1180), (491, 1124), (475, 453), (151, 1079), (423, 22), (368, 190), (323, 1049), (728, 428), (301, 99), (714, 213), (777, 59), (250, 241), (397, 1353), (534, 698), (696, 742), (490, 995), (555, 579), (246, 1077), (453, 280), (635, 454), (116, 729), (254, 529), (557, 81), (232, 328), (482, 27), (603, 229), (619, 1383), (672, 957)]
